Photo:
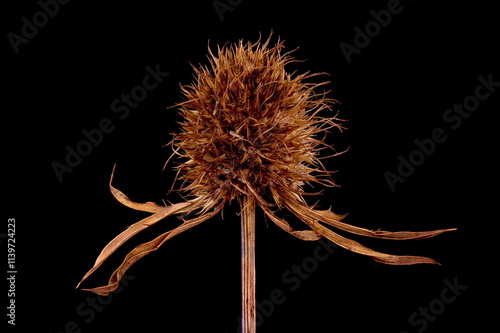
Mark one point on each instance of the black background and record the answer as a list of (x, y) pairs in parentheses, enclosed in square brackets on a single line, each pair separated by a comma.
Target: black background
[(394, 91)]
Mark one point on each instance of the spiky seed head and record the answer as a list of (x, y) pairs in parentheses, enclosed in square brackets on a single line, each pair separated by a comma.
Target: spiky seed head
[(250, 127), (251, 130)]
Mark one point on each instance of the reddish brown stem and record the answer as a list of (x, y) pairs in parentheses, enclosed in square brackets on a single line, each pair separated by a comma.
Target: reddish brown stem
[(248, 321)]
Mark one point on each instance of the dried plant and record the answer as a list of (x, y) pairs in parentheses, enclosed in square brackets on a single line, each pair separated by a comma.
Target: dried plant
[(251, 132)]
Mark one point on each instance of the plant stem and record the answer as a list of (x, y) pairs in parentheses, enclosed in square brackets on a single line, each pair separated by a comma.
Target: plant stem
[(248, 321)]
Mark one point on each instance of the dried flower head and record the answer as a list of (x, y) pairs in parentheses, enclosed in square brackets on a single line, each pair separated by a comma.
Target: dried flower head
[(251, 128), (251, 132)]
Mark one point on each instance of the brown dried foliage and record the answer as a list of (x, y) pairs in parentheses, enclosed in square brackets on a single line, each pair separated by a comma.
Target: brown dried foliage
[(251, 129)]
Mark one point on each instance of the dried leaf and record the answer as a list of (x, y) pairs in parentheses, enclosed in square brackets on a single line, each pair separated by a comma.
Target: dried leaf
[(146, 248), (133, 230), (354, 246), (307, 235), (149, 206), (311, 218), (333, 220)]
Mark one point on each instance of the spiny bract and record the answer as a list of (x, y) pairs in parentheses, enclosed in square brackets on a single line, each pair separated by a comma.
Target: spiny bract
[(251, 128)]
